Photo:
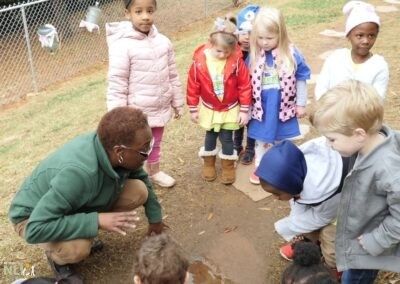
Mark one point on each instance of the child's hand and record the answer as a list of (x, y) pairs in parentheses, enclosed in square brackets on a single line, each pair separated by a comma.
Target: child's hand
[(360, 242), (194, 116), (178, 112), (243, 118), (300, 111)]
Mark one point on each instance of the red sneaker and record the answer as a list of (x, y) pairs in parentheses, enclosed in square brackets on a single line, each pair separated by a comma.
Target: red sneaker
[(287, 251)]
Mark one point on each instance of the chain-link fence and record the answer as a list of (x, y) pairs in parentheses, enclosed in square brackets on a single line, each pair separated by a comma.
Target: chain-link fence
[(26, 67)]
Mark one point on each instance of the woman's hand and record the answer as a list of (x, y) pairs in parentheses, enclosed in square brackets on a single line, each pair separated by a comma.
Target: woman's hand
[(243, 118), (118, 221), (156, 228), (300, 111)]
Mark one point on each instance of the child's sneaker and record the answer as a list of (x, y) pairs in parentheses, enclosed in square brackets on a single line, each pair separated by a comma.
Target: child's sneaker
[(162, 179), (254, 179), (287, 251)]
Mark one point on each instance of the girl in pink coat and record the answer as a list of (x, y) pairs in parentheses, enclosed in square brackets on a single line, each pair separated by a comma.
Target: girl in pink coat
[(142, 74)]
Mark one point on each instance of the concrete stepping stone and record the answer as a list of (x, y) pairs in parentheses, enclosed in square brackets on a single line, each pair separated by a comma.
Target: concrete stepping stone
[(243, 172), (392, 1), (313, 79), (332, 33), (325, 55), (242, 183), (386, 9)]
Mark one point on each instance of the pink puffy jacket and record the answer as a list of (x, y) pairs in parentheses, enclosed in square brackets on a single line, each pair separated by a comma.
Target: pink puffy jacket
[(142, 72)]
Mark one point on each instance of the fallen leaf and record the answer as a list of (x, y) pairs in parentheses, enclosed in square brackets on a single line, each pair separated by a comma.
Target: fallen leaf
[(230, 229), (265, 208), (202, 232), (210, 216), (180, 160), (165, 217)]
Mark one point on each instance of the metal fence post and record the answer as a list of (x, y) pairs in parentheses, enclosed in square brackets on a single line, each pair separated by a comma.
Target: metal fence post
[(29, 48)]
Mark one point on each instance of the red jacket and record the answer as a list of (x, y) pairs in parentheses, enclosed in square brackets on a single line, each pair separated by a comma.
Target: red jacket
[(237, 86)]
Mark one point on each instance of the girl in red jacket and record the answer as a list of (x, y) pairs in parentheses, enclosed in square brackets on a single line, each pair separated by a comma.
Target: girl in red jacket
[(220, 78)]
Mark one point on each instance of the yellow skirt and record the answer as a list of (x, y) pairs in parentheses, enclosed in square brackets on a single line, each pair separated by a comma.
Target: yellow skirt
[(212, 119)]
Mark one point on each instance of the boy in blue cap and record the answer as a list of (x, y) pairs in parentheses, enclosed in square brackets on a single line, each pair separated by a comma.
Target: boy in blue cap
[(244, 25), (309, 177)]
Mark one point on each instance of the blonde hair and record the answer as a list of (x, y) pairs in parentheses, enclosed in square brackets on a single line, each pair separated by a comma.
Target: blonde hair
[(224, 33), (271, 20), (348, 106)]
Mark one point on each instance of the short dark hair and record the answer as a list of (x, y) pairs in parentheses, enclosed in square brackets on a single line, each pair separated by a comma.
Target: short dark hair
[(129, 3), (307, 266), (119, 126), (161, 260)]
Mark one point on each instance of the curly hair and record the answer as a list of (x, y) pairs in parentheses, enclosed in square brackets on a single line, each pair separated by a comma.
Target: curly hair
[(119, 126), (161, 260), (307, 267)]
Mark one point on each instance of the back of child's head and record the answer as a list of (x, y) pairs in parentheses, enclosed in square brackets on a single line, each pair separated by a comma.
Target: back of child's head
[(307, 267), (130, 3), (271, 20), (348, 106), (223, 34), (359, 12), (160, 260), (284, 167)]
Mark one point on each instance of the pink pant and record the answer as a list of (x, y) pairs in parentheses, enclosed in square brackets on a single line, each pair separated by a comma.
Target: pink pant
[(155, 154)]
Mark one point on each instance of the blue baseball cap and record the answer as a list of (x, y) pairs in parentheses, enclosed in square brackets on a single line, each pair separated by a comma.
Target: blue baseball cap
[(284, 167)]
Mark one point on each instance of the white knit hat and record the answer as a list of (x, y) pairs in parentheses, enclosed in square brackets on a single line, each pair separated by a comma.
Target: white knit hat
[(359, 12)]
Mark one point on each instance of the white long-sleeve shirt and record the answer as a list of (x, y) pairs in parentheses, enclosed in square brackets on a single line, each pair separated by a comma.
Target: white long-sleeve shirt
[(324, 172), (340, 67)]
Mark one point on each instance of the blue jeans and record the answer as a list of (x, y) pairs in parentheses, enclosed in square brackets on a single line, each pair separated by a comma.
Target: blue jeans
[(359, 276), (225, 137)]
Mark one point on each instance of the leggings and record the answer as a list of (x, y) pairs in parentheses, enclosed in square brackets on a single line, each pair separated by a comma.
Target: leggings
[(225, 137), (155, 153)]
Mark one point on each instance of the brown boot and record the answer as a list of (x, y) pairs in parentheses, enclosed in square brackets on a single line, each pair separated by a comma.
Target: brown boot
[(208, 172), (228, 175)]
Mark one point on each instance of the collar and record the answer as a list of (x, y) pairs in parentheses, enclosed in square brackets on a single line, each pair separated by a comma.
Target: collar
[(103, 159)]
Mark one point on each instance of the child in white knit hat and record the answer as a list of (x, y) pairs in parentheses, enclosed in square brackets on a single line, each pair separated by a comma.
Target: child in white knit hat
[(358, 63)]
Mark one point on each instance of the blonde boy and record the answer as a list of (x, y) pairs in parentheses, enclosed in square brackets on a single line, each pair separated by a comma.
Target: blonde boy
[(368, 228)]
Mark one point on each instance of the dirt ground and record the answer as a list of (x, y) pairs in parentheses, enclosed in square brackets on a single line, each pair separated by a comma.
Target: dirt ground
[(216, 224)]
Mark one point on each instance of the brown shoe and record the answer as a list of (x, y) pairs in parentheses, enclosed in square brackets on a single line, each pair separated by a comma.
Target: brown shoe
[(208, 172), (228, 175)]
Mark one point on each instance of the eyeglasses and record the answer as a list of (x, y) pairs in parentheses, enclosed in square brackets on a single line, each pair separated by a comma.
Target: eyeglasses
[(145, 154)]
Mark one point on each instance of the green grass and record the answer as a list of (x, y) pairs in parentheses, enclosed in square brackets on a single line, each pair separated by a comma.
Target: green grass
[(309, 12)]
